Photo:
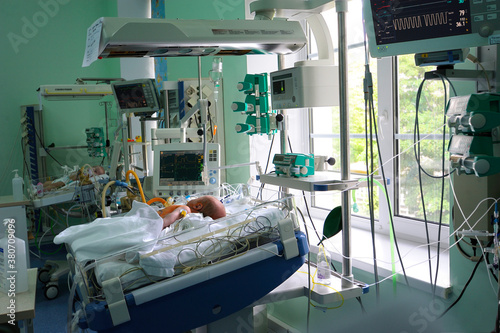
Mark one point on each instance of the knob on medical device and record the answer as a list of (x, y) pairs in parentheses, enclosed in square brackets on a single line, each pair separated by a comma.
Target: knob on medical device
[(331, 161), (485, 31), (239, 106), (242, 128), (244, 86)]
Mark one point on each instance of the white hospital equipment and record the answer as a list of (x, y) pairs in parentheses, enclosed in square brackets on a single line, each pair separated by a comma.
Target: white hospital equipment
[(395, 28), (111, 37), (305, 85), (185, 168), (61, 92), (80, 90), (136, 98)]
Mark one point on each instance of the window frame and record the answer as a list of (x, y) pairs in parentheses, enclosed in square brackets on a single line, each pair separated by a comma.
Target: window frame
[(387, 107)]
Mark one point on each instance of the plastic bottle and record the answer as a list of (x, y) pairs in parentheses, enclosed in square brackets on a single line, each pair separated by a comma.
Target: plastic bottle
[(323, 261), (13, 268), (39, 190), (17, 187)]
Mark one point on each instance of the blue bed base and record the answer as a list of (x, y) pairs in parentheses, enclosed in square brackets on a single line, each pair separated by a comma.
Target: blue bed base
[(201, 303)]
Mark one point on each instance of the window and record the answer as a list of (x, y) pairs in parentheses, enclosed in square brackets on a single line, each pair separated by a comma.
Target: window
[(325, 131), (395, 84), (395, 88), (428, 126), (395, 115)]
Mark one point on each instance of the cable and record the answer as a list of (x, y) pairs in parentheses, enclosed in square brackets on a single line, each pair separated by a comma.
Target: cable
[(474, 60), (393, 231), (369, 171), (363, 311), (421, 169), (43, 146), (267, 165), (308, 272), (11, 156), (465, 288)]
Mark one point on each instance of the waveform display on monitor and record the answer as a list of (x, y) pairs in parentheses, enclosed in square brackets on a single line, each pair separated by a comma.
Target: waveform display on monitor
[(181, 167), (408, 20), (421, 21)]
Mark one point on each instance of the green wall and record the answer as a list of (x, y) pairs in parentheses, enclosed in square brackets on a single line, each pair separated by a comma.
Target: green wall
[(234, 70), (42, 42)]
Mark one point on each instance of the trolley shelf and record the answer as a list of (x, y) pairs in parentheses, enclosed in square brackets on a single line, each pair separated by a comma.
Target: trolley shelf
[(320, 181)]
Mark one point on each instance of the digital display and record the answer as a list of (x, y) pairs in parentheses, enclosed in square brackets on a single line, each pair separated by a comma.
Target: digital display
[(279, 87), (131, 96), (398, 21), (181, 168)]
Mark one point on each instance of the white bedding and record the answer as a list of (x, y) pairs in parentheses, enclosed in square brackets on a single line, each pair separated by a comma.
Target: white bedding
[(142, 224)]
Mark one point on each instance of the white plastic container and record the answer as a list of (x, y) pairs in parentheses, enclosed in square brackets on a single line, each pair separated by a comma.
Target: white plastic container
[(324, 272), (13, 268), (17, 187)]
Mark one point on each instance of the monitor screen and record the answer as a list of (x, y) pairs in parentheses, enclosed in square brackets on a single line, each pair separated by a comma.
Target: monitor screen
[(180, 168), (395, 27), (131, 96), (137, 96), (403, 21)]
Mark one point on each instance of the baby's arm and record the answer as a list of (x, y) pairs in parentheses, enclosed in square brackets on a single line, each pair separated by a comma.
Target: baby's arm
[(176, 214)]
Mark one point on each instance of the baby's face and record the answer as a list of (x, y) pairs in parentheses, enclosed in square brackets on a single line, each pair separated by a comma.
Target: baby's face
[(98, 170)]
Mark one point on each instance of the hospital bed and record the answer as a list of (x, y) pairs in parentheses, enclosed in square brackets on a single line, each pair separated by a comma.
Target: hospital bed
[(197, 272), (70, 192)]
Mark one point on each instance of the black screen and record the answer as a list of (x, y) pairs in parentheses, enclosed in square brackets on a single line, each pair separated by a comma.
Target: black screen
[(398, 21), (181, 167), (131, 96)]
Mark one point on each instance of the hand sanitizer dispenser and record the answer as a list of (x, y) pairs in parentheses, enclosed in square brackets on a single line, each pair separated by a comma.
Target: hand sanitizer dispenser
[(17, 187)]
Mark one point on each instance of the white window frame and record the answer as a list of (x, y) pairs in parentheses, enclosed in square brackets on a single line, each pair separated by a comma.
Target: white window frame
[(405, 227)]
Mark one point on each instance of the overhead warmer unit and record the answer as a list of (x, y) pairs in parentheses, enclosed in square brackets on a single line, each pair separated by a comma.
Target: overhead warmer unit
[(111, 37)]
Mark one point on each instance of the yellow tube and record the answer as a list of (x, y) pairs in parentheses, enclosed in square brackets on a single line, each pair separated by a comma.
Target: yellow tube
[(103, 197), (127, 175)]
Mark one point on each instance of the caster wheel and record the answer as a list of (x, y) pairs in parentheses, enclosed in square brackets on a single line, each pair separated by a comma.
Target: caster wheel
[(51, 291), (44, 275)]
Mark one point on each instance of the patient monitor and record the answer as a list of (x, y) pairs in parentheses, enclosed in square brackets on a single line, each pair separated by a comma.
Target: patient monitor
[(179, 169), (136, 96), (403, 27)]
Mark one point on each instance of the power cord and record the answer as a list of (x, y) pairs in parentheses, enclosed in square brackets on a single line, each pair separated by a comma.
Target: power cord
[(465, 287), (384, 181), (474, 60)]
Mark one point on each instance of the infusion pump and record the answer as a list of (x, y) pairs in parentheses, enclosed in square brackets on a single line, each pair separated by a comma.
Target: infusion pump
[(179, 169)]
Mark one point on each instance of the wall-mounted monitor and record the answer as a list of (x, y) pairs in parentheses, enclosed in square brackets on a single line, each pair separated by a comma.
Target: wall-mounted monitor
[(136, 96), (397, 27)]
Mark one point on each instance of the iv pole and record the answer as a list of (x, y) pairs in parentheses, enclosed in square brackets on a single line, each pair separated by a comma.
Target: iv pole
[(311, 10)]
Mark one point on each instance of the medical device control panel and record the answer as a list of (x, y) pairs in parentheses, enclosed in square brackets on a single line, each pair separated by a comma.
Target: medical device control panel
[(294, 164), (136, 96), (416, 26), (179, 169), (305, 86)]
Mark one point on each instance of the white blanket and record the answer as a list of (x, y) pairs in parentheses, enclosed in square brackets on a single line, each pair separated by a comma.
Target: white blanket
[(106, 236), (142, 225), (207, 245)]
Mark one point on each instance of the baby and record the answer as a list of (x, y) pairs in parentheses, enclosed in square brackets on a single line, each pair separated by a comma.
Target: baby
[(60, 182), (207, 205)]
